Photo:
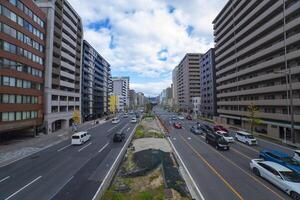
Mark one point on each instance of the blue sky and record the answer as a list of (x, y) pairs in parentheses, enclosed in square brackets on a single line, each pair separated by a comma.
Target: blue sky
[(146, 39)]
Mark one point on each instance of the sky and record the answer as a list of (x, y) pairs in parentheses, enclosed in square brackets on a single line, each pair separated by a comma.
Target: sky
[(146, 39)]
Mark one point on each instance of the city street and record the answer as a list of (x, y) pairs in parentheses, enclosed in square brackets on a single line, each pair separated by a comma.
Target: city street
[(221, 174), (64, 171)]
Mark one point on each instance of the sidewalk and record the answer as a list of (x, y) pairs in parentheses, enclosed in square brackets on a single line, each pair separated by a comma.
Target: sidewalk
[(18, 149)]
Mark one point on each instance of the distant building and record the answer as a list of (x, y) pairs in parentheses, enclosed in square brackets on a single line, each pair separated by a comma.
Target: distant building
[(196, 102), (22, 65), (63, 63), (208, 85), (175, 86), (95, 83), (121, 88), (188, 80)]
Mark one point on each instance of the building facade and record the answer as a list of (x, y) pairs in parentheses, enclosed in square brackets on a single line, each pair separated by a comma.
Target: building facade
[(63, 63), (121, 88), (208, 107), (94, 84), (257, 62), (22, 65), (188, 80), (175, 88), (196, 102), (132, 99)]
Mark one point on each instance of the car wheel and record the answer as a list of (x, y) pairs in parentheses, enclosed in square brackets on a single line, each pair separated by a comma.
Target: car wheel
[(256, 172), (295, 195)]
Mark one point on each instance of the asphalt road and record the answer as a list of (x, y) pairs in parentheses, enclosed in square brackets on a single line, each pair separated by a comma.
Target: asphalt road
[(63, 171), (222, 174)]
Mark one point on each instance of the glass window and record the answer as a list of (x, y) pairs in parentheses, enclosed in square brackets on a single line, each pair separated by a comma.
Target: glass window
[(12, 98), (12, 82), (18, 115), (6, 80), (14, 2), (6, 46), (5, 98), (6, 12), (5, 116), (19, 83), (24, 115), (20, 5), (11, 116), (18, 99), (13, 16), (32, 114)]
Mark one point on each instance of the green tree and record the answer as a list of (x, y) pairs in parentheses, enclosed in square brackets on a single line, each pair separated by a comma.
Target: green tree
[(253, 110), (149, 107)]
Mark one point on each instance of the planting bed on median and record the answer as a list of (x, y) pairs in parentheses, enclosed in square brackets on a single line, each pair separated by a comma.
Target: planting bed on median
[(149, 170)]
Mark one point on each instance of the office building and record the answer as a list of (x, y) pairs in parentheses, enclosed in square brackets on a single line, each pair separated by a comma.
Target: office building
[(188, 80), (132, 99), (175, 88), (208, 106), (95, 73), (22, 66), (121, 88), (257, 57), (63, 63)]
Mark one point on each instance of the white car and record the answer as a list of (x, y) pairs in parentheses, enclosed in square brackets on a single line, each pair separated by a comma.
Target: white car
[(80, 138), (281, 176), (226, 136), (245, 137), (133, 120), (115, 120), (181, 117), (125, 115), (297, 155)]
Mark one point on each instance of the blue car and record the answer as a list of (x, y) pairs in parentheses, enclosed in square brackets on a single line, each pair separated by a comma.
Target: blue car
[(281, 158)]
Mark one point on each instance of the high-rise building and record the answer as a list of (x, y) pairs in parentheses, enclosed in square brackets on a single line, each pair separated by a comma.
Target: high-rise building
[(22, 66), (258, 62), (188, 80), (121, 88), (175, 87), (208, 107), (94, 84), (63, 63), (132, 99)]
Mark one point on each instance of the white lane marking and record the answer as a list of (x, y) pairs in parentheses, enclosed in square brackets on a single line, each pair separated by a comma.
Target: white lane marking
[(103, 147), (112, 128), (23, 188), (4, 179), (61, 187), (174, 138), (128, 129), (189, 138), (189, 174), (63, 148), (202, 136), (112, 166), (84, 147)]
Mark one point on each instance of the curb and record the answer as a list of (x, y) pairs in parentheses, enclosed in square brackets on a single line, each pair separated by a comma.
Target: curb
[(110, 174)]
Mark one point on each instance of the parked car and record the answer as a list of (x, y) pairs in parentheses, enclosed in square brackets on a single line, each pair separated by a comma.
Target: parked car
[(297, 155), (245, 137), (226, 136), (280, 158), (196, 130), (281, 176), (118, 136), (115, 120), (80, 138), (189, 117), (220, 128), (125, 115), (180, 117), (205, 127), (216, 140), (133, 120), (177, 125)]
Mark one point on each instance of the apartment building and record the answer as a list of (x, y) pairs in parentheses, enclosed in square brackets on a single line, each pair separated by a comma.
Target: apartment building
[(121, 88), (22, 66), (94, 84), (257, 56), (208, 104), (174, 83), (63, 63), (188, 80)]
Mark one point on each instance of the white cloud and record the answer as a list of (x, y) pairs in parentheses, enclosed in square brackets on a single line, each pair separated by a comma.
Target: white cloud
[(142, 28)]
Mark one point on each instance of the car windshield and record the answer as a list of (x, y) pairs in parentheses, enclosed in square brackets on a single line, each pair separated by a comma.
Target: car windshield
[(291, 161), (226, 134), (250, 136), (290, 176)]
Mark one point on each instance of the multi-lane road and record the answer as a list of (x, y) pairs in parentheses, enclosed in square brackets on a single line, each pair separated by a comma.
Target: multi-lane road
[(64, 171), (221, 174)]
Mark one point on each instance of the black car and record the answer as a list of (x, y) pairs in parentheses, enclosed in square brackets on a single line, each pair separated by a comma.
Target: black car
[(119, 137), (216, 140), (196, 130)]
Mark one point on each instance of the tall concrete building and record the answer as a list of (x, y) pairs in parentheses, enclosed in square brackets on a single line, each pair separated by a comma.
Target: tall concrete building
[(257, 60), (121, 88), (208, 105), (63, 63), (188, 80), (22, 47), (94, 84), (132, 99), (175, 87)]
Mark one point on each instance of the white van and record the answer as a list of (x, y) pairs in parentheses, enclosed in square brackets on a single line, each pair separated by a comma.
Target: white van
[(80, 138), (245, 137), (115, 120)]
